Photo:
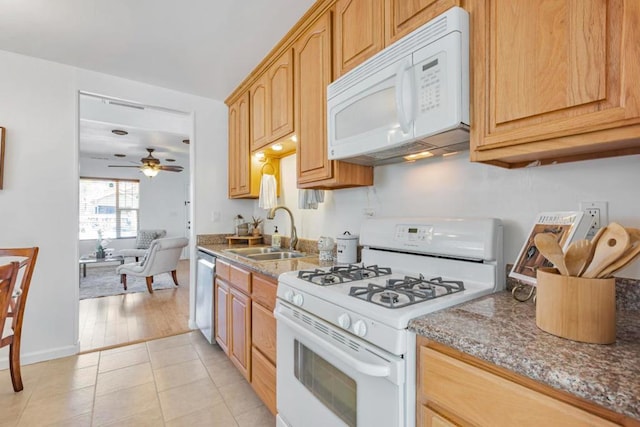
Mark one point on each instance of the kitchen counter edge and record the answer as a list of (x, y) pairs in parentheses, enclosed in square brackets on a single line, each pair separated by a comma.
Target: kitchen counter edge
[(268, 268), (500, 330)]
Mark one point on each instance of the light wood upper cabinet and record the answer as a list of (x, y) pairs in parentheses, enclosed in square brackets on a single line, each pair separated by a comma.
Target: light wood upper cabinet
[(312, 75), (272, 103), (358, 32), (243, 178), (404, 16), (553, 80), (280, 85), (259, 114)]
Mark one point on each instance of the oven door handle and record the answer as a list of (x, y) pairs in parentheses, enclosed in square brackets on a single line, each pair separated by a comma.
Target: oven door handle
[(364, 368)]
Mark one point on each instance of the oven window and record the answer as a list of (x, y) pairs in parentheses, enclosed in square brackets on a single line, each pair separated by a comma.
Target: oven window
[(330, 385)]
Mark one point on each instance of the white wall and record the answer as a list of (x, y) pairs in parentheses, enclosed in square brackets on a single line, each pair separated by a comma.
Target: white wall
[(456, 187), (39, 202)]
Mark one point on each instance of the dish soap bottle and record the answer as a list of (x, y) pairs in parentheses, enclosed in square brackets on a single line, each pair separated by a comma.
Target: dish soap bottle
[(276, 239)]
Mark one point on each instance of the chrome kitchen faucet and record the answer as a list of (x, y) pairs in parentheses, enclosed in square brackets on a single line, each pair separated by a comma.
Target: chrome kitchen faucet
[(294, 233)]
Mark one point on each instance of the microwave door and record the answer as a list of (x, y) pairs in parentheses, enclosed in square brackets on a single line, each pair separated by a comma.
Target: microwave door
[(371, 115), (442, 99)]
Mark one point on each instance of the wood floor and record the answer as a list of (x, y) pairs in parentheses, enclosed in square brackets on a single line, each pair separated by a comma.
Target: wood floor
[(124, 319)]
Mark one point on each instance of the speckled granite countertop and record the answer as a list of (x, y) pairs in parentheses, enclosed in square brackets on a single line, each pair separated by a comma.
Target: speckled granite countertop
[(503, 331), (269, 268)]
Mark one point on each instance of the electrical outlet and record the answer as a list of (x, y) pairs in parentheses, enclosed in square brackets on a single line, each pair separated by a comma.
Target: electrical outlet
[(598, 211)]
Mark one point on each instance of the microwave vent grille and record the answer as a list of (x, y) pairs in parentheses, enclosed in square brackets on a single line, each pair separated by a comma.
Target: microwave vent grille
[(426, 34)]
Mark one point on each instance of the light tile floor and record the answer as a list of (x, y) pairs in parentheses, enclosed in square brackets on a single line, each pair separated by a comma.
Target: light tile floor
[(177, 381)]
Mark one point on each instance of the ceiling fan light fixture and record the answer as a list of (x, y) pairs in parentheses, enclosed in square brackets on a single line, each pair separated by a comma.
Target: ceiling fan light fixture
[(120, 132), (149, 171)]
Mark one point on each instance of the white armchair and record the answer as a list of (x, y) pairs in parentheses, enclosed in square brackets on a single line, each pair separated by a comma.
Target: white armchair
[(162, 257)]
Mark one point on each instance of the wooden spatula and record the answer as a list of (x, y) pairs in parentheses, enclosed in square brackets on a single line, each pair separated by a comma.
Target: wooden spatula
[(627, 257), (613, 242), (577, 256), (549, 247)]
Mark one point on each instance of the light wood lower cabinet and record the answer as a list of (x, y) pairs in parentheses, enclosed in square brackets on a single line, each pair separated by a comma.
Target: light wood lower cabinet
[(233, 314), (245, 327), (263, 340), (240, 332), (456, 389)]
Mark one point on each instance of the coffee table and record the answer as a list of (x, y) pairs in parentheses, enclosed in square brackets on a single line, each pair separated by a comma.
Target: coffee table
[(93, 260)]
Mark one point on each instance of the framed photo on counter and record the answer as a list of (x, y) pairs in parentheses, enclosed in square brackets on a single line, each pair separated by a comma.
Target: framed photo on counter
[(566, 226)]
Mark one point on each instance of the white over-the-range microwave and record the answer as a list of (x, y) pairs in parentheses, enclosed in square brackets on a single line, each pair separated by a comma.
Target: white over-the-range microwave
[(409, 101)]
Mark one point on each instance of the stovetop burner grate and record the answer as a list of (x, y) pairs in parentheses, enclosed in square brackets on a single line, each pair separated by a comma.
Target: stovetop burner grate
[(398, 293), (343, 274)]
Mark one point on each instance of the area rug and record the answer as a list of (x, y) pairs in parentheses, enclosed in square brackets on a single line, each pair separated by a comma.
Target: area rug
[(103, 282)]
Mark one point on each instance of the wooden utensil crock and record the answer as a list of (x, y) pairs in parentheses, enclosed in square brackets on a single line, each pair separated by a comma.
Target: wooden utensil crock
[(576, 308)]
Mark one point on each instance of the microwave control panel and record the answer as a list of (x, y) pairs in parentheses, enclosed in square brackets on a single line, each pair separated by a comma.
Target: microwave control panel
[(430, 82)]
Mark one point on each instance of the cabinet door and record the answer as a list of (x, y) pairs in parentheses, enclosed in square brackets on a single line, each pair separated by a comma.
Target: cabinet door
[(312, 56), (240, 332), (430, 418), (544, 74), (358, 33), (263, 379), (259, 114), (280, 107), (222, 326), (240, 173), (263, 331), (312, 75), (404, 16)]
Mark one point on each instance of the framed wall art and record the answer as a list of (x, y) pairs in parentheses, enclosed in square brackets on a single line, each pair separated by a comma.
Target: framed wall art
[(2, 132)]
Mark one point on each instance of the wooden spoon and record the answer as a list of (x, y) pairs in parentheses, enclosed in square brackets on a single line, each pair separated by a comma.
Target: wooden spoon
[(549, 247), (592, 248), (627, 257), (613, 242), (577, 256)]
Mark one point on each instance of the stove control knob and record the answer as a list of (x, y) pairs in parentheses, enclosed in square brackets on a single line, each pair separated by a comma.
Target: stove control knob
[(360, 328), (298, 300), (288, 296), (344, 321)]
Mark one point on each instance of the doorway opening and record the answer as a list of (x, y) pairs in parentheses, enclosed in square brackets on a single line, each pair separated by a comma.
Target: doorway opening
[(134, 166)]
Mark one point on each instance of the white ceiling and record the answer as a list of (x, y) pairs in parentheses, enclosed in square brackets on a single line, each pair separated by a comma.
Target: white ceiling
[(202, 47)]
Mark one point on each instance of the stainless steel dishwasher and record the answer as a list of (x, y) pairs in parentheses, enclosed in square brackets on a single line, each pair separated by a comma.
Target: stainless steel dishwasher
[(205, 270)]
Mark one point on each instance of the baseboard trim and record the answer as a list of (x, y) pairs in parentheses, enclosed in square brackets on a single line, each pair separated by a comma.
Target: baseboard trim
[(42, 356)]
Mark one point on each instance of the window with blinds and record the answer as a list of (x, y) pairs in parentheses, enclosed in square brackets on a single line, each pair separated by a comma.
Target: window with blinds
[(109, 207)]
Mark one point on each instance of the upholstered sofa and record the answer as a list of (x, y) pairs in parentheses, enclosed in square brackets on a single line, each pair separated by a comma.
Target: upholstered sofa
[(143, 242)]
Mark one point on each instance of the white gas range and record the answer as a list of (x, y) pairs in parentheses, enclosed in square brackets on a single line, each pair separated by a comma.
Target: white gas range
[(345, 356)]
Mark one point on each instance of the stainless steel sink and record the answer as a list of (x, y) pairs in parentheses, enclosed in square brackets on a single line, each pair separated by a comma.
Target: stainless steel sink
[(253, 251), (275, 256), (265, 253)]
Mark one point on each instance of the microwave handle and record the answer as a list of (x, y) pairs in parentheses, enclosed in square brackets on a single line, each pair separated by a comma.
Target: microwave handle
[(405, 121)]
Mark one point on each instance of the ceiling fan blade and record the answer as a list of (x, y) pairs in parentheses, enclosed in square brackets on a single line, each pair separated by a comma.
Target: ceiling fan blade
[(170, 168)]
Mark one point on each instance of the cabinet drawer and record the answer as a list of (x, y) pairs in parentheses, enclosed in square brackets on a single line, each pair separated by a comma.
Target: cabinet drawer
[(240, 279), (222, 269), (263, 331), (263, 379), (264, 291), (462, 390)]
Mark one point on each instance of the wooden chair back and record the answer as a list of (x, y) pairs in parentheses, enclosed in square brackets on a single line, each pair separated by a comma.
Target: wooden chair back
[(14, 307), (8, 276)]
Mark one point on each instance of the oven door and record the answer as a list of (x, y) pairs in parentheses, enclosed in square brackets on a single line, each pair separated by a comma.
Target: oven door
[(326, 377)]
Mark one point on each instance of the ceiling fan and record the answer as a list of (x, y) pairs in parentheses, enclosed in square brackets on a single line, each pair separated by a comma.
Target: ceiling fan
[(151, 166)]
